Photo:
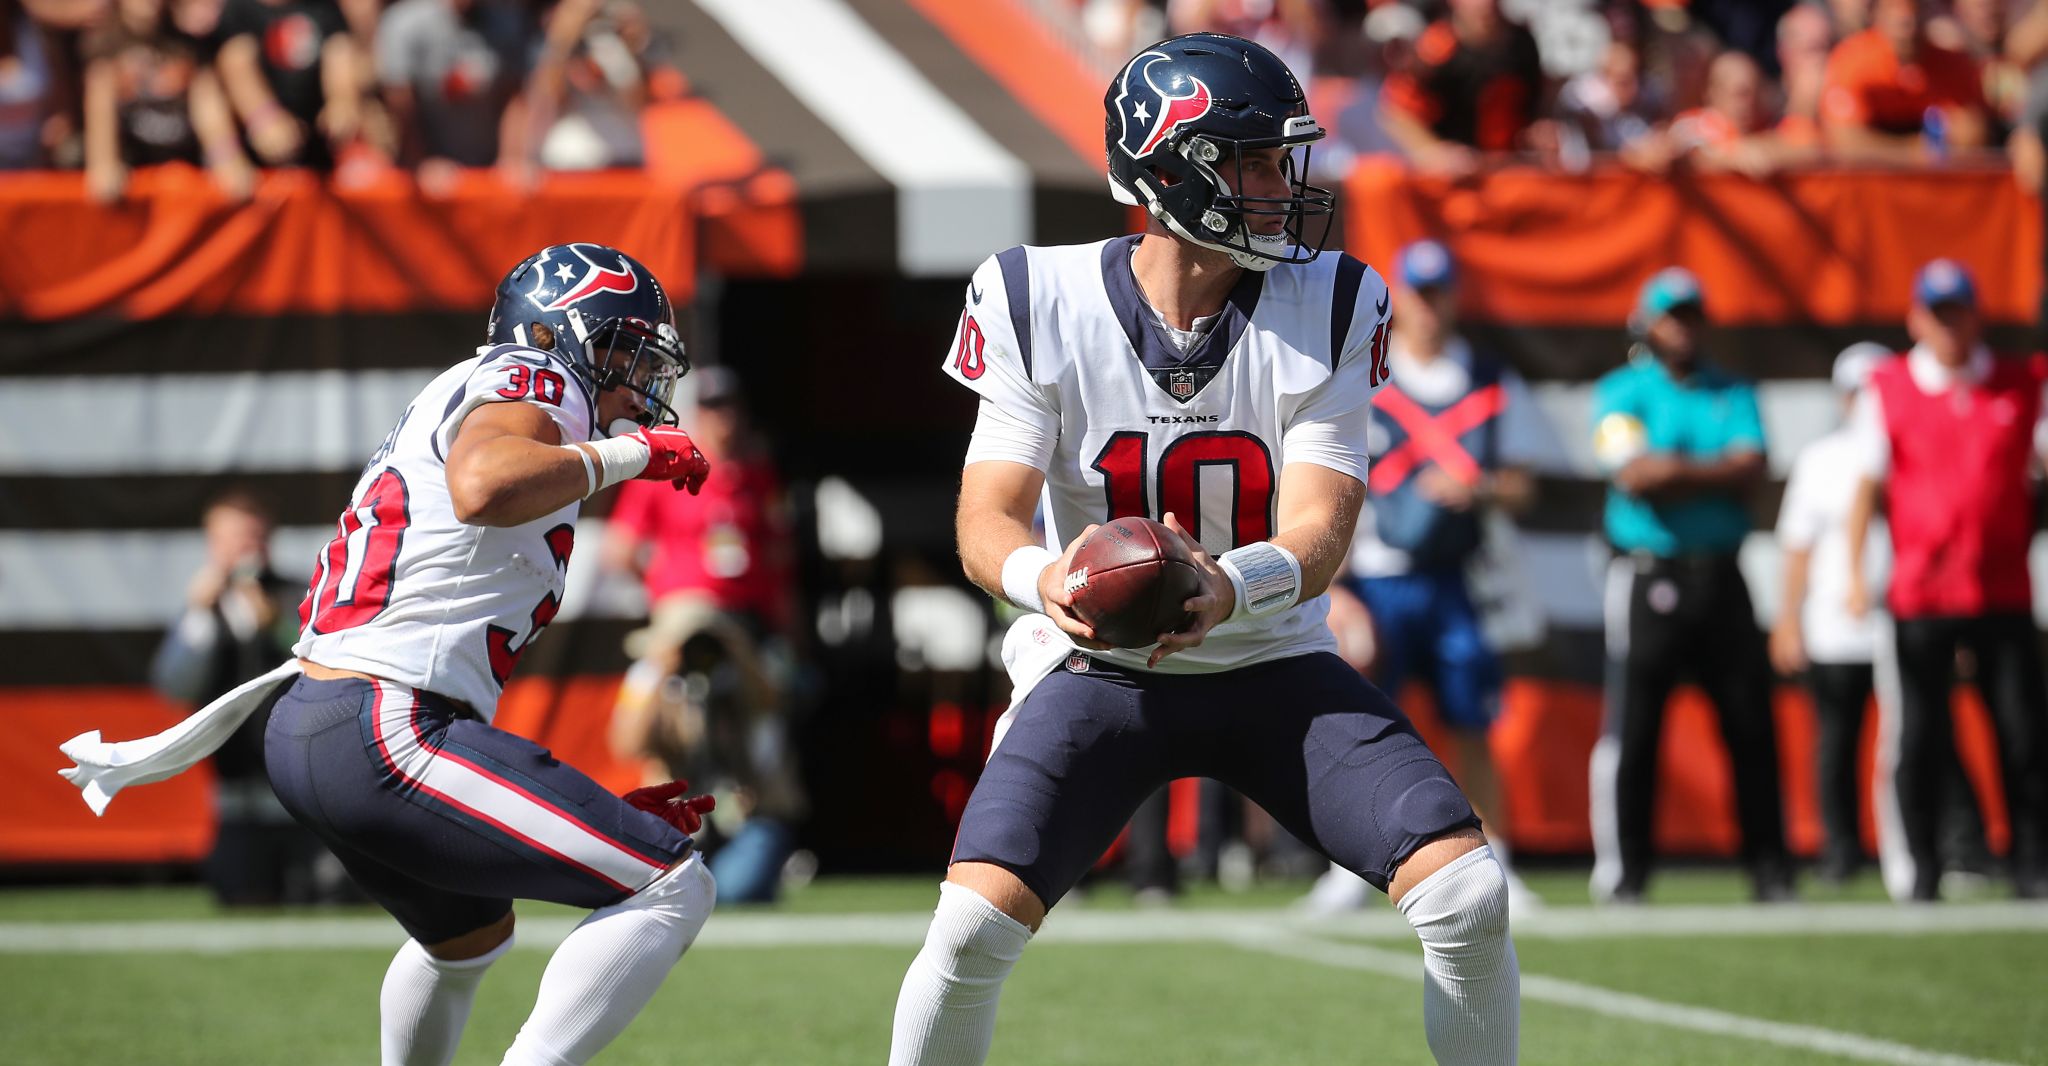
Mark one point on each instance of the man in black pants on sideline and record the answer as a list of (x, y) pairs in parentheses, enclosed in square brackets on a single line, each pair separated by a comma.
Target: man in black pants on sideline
[(1686, 445)]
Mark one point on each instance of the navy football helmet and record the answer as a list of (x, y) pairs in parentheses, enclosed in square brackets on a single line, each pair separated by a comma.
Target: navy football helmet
[(1181, 116), (604, 312)]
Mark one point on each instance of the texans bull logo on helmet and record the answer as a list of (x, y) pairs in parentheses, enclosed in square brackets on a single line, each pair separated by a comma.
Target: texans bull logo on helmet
[(1152, 111), (576, 272)]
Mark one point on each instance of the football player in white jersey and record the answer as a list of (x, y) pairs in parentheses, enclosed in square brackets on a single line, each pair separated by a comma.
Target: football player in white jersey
[(1214, 373), (446, 566)]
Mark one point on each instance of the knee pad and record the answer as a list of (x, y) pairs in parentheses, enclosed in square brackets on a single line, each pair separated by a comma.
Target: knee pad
[(470, 965), (972, 938), (1463, 905), (681, 897)]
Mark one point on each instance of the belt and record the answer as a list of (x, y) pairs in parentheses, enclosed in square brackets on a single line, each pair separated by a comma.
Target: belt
[(1647, 563)]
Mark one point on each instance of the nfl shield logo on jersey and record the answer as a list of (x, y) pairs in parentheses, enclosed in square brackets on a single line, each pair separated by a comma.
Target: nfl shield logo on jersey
[(1180, 384)]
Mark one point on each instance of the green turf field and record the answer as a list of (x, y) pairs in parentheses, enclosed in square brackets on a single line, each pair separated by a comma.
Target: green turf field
[(157, 976)]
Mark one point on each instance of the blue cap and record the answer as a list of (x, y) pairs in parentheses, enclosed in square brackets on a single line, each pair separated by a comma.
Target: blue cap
[(1425, 264), (1667, 290), (1944, 281)]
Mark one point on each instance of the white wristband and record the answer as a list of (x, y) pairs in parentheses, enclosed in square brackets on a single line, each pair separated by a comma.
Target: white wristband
[(1267, 578), (589, 469), (618, 459), (1020, 575)]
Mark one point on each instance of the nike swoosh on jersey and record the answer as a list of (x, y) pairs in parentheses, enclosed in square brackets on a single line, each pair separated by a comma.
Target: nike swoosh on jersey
[(1379, 309), (974, 292)]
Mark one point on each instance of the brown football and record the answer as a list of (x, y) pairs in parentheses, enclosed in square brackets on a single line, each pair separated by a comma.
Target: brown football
[(1129, 579)]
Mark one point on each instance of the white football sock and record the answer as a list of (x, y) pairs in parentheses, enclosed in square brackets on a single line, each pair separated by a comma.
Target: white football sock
[(425, 1002), (946, 1013), (1471, 986), (610, 965)]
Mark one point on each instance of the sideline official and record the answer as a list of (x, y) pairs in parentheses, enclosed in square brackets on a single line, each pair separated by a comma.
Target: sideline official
[(1685, 446)]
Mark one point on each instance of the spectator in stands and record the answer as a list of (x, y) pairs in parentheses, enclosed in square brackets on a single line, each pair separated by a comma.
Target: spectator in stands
[(1894, 96), (1390, 32), (1978, 29), (1122, 27), (292, 72), (1954, 433), (34, 91), (1849, 17), (1685, 445), (1731, 131), (451, 72), (149, 99), (1606, 110), (601, 65), (1292, 29), (700, 704), (1476, 86), (1804, 40), (2027, 45), (1453, 436), (240, 621), (1745, 26)]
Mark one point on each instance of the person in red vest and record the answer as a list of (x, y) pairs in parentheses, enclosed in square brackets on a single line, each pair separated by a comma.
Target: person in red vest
[(1954, 434)]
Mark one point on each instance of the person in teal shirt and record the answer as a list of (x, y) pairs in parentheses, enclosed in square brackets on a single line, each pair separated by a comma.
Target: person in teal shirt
[(1684, 446)]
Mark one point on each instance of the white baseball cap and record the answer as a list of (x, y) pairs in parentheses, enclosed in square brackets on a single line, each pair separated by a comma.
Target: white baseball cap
[(1855, 364)]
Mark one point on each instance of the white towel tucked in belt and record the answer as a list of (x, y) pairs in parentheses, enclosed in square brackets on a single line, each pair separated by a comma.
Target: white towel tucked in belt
[(1033, 647), (104, 769)]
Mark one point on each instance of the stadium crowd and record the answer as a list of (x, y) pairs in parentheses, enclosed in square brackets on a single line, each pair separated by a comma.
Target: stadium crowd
[(347, 86), (1746, 85), (351, 86)]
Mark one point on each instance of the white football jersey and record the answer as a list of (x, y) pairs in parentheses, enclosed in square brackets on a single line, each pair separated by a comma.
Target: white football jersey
[(1062, 344), (407, 592)]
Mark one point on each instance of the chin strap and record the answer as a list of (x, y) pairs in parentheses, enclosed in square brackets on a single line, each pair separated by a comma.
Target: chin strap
[(1239, 256)]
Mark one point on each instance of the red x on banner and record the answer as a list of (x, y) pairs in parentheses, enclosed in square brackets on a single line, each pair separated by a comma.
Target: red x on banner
[(1433, 438)]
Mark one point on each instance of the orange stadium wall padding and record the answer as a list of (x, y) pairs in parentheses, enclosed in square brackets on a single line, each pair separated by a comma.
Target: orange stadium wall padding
[(1542, 744), (301, 245), (1538, 248), (1826, 247), (43, 820)]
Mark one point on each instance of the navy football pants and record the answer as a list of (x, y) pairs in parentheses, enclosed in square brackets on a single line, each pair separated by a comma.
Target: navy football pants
[(1325, 753), (443, 819)]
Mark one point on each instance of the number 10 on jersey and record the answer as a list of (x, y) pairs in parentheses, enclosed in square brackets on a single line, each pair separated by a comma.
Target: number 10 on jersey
[(1246, 510)]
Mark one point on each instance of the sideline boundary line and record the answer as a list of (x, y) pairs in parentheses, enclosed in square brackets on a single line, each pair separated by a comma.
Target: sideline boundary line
[(1075, 925)]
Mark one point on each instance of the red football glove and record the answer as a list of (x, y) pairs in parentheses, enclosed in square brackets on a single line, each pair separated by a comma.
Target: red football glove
[(668, 803), (671, 456)]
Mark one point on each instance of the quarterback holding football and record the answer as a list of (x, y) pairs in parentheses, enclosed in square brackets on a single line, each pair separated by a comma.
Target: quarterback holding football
[(1213, 373)]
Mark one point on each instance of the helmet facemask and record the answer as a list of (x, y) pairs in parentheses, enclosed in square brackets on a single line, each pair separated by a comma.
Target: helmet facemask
[(646, 360), (1202, 203)]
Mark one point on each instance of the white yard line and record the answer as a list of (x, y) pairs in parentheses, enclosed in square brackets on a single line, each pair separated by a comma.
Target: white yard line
[(1540, 989)]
